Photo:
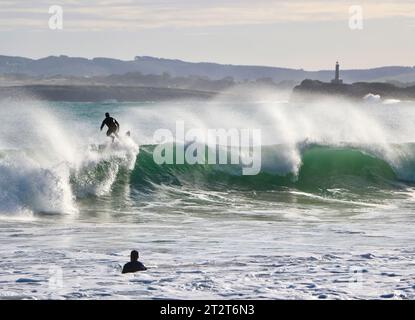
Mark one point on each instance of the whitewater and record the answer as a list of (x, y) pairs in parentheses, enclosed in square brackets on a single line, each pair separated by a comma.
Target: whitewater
[(329, 216)]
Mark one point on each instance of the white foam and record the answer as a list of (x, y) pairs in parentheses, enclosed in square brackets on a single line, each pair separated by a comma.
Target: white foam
[(45, 166), (26, 186)]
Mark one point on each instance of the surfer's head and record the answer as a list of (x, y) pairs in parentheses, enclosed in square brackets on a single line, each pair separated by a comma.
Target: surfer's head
[(134, 255), (107, 114)]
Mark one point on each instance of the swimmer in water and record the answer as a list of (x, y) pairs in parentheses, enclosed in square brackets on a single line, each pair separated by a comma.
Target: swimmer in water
[(134, 265)]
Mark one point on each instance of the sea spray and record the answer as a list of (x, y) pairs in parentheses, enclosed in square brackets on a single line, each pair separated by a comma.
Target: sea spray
[(45, 167), (28, 186), (99, 167), (56, 140)]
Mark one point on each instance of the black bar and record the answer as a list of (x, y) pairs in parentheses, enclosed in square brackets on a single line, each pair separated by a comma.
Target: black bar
[(206, 309)]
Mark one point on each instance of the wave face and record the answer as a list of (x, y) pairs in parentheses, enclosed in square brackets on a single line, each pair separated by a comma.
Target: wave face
[(321, 167), (27, 185)]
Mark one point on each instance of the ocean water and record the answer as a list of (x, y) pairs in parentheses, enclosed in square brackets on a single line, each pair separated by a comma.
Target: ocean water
[(330, 216)]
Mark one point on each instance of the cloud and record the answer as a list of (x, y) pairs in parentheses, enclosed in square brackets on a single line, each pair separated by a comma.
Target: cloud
[(143, 14)]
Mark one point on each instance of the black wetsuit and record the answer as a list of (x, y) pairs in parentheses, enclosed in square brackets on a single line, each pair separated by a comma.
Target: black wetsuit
[(133, 266), (112, 124)]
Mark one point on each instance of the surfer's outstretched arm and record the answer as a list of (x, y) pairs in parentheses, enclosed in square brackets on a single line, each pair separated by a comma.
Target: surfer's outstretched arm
[(117, 124), (103, 124)]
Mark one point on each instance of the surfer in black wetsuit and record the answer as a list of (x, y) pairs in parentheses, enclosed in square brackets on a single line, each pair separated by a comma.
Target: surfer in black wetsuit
[(113, 126), (134, 265)]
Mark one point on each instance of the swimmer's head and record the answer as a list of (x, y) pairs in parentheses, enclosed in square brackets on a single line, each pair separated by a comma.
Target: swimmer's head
[(134, 255)]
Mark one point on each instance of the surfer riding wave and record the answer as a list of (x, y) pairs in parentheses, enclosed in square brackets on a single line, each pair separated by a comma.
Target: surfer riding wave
[(113, 126)]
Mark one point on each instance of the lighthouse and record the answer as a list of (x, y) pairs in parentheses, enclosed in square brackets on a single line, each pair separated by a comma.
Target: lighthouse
[(337, 79)]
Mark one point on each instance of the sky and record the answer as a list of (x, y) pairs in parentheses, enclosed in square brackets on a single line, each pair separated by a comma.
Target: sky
[(301, 34)]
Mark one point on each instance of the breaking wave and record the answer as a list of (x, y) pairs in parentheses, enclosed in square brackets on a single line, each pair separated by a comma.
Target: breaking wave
[(46, 168)]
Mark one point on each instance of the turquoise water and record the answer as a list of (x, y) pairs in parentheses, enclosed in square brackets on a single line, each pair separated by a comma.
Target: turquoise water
[(330, 215)]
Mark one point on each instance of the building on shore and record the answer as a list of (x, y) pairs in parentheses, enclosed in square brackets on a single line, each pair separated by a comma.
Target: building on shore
[(337, 79)]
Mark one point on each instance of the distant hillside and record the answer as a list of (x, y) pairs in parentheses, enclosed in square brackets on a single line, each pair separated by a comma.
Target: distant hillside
[(82, 67)]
